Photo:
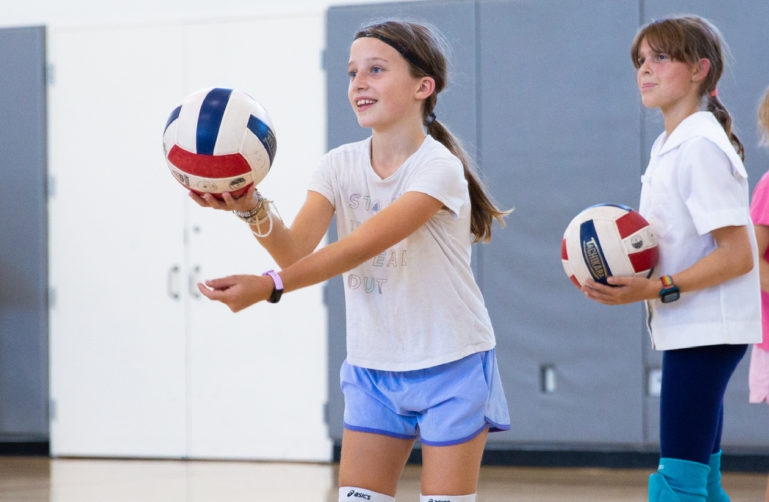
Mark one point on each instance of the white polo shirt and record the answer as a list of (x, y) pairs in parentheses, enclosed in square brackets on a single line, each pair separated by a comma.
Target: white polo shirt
[(695, 183)]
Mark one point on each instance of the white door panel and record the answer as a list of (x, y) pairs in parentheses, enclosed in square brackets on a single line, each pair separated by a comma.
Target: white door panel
[(117, 335), (141, 365), (258, 385)]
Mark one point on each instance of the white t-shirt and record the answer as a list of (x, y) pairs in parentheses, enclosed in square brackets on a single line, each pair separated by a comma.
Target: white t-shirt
[(695, 183), (416, 305)]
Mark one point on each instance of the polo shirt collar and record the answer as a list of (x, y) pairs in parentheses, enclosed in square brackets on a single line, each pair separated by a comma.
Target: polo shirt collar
[(703, 125), (699, 124)]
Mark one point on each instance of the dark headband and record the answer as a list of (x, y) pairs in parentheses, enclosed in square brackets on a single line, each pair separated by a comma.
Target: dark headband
[(408, 55)]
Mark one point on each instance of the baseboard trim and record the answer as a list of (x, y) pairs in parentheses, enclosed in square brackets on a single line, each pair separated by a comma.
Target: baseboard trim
[(25, 448), (599, 459)]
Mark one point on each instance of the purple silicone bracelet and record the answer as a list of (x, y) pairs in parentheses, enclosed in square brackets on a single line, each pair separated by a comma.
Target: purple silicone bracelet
[(277, 291)]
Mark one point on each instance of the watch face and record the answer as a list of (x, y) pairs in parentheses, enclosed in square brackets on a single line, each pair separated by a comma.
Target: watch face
[(670, 296)]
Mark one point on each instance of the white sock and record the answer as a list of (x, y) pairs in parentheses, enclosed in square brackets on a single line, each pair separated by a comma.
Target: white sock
[(355, 494), (447, 498)]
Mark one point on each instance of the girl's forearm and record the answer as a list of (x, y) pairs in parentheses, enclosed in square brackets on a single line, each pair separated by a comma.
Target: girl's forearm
[(732, 258)]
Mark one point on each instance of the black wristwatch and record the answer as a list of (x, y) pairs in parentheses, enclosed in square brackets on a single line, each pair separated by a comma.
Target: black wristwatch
[(277, 291), (669, 292)]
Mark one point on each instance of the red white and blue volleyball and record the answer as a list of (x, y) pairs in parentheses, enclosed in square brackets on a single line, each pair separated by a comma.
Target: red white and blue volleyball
[(219, 140), (605, 240)]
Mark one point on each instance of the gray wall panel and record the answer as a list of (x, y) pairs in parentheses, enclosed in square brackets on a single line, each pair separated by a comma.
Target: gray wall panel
[(23, 230), (560, 131)]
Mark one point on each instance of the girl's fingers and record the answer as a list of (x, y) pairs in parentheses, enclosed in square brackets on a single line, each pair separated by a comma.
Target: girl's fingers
[(198, 199), (208, 293), (229, 201), (222, 284)]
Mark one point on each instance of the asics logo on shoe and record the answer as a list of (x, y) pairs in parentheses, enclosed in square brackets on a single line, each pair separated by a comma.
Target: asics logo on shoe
[(360, 495)]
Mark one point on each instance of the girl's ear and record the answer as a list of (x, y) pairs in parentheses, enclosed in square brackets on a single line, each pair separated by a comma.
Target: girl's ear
[(426, 87), (701, 70)]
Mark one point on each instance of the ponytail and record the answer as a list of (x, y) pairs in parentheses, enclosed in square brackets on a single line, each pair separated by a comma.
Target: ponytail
[(483, 209), (717, 108), (425, 50)]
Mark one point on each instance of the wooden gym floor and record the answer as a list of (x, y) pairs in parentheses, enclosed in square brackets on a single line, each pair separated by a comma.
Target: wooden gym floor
[(40, 479)]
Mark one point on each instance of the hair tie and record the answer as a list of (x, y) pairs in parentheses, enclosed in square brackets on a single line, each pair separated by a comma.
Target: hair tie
[(430, 118), (713, 93)]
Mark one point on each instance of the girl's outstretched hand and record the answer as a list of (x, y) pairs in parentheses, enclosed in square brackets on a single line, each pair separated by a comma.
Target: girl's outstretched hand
[(238, 291), (622, 290), (244, 203)]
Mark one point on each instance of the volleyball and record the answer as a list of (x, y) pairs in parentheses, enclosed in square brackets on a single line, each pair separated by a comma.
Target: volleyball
[(605, 240), (219, 140)]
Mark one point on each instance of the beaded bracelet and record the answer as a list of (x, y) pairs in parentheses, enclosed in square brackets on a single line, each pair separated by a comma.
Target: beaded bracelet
[(247, 216), (258, 216)]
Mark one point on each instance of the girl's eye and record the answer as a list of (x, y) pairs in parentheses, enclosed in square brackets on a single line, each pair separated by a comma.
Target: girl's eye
[(352, 74), (656, 58), (376, 69)]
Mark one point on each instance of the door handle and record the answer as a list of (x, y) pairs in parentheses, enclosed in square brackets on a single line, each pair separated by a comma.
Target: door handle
[(193, 280), (172, 282)]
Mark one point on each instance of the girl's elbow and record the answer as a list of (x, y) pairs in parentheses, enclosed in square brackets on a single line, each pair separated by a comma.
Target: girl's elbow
[(745, 265), (750, 263)]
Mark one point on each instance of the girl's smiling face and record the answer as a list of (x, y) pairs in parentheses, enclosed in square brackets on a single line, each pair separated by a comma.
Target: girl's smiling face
[(382, 90)]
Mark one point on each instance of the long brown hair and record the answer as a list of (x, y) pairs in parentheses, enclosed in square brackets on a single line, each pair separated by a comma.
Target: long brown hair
[(424, 49), (689, 39)]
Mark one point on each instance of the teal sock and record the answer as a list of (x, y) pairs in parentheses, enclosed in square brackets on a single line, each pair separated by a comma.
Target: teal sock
[(678, 480), (716, 492), (659, 489)]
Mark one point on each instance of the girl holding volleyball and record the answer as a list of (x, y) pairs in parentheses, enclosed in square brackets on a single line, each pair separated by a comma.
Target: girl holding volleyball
[(704, 308), (420, 345)]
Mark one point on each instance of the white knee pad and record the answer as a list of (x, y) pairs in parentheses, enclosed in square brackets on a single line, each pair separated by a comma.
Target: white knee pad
[(355, 494), (447, 498)]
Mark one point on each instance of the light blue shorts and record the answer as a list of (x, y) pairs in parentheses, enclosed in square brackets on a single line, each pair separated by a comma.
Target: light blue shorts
[(443, 405)]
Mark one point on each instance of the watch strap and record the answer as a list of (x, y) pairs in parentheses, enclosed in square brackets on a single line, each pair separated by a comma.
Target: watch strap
[(669, 292), (277, 291)]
